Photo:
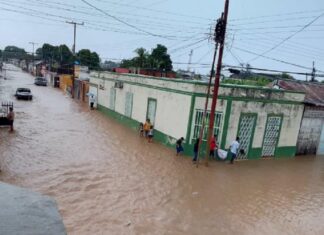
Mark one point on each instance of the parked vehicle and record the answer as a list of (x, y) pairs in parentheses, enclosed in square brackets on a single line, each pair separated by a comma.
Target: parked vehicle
[(39, 81), (24, 93)]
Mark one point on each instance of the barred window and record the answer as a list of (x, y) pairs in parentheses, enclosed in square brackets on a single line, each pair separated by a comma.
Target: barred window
[(198, 124)]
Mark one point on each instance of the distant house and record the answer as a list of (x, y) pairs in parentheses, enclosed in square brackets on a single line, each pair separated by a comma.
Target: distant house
[(311, 135)]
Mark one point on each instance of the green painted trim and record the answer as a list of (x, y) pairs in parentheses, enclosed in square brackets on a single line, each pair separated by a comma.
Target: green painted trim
[(191, 114), (281, 152), (133, 124), (264, 133), (194, 82), (253, 131), (286, 152), (226, 123), (220, 97), (255, 153), (147, 108)]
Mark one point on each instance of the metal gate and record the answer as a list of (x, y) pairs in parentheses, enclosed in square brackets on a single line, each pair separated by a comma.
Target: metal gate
[(246, 133), (271, 136)]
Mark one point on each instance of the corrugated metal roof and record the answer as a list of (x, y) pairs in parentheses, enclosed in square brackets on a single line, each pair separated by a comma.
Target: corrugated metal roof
[(314, 91)]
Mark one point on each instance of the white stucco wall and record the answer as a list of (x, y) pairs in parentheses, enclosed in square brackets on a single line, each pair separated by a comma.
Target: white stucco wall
[(172, 111), (174, 103), (292, 115)]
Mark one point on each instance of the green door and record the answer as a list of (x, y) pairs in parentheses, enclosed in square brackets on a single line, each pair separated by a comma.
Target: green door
[(246, 133)]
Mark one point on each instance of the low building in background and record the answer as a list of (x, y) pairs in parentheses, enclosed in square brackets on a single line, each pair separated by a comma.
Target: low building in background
[(267, 120), (311, 134)]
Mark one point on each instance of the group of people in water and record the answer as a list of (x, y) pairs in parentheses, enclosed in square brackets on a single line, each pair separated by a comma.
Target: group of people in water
[(147, 130)]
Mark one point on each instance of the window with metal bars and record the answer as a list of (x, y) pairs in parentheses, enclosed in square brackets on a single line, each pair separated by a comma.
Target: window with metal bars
[(198, 125)]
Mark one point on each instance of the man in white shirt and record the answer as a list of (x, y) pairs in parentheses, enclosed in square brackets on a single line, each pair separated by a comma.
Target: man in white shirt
[(234, 148), (92, 101)]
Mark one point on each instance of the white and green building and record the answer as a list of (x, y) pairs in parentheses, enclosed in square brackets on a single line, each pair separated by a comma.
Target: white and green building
[(266, 120)]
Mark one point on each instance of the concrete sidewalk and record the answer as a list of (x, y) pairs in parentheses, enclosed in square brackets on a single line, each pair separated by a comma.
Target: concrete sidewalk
[(23, 212)]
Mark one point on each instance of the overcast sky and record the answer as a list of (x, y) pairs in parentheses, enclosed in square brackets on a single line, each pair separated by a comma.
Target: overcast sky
[(285, 31)]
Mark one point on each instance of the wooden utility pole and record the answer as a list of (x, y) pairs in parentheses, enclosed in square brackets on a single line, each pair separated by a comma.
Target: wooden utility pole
[(74, 52), (33, 43), (221, 39), (201, 134)]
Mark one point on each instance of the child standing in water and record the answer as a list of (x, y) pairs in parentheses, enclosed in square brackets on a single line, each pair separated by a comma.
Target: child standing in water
[(150, 134), (141, 129), (147, 126)]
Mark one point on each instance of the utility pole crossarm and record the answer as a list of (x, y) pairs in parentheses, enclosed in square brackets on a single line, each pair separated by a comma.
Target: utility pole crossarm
[(74, 25)]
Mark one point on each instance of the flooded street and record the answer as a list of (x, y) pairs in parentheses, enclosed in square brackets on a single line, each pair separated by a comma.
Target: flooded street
[(107, 180)]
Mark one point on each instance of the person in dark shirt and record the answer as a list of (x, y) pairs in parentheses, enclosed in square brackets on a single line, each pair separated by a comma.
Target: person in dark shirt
[(179, 147), (196, 149), (11, 118)]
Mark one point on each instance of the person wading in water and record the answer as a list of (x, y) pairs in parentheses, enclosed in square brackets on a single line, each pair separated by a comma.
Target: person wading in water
[(11, 118)]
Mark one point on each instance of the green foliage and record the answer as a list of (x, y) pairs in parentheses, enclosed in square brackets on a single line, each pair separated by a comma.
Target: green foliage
[(159, 59), (88, 58), (13, 52), (55, 54)]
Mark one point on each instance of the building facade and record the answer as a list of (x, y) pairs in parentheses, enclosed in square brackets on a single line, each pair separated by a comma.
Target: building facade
[(266, 120), (311, 134)]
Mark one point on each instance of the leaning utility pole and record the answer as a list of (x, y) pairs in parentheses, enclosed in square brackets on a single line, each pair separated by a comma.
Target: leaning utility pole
[(33, 43), (74, 53), (220, 38)]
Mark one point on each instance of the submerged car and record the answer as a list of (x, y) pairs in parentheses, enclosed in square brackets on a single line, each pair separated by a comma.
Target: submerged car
[(39, 81), (24, 93)]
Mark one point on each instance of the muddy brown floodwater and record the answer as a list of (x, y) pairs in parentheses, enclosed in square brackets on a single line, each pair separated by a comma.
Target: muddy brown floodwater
[(107, 180)]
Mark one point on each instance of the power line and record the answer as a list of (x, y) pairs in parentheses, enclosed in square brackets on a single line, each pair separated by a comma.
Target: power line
[(269, 70), (274, 59), (289, 37), (277, 15), (124, 22)]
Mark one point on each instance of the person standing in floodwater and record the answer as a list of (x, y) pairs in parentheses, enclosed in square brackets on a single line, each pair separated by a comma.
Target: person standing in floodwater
[(11, 118), (150, 134), (234, 148), (195, 150), (179, 147), (147, 127), (92, 101), (213, 146), (141, 129)]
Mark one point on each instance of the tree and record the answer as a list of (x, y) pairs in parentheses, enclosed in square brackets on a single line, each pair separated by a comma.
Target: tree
[(141, 60), (88, 58), (127, 63), (13, 52), (160, 59), (51, 54)]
